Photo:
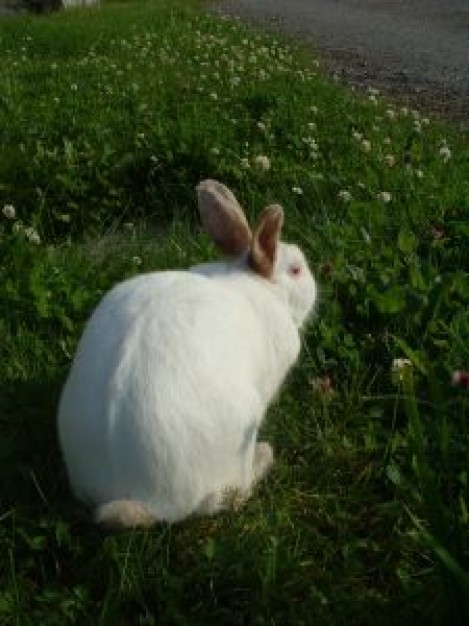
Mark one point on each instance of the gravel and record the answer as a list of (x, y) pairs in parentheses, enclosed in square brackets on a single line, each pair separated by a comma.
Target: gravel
[(417, 50)]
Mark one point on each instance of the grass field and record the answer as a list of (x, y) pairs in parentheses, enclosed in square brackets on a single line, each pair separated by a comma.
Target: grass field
[(108, 119)]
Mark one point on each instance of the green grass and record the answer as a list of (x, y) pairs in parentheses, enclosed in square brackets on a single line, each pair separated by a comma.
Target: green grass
[(108, 119)]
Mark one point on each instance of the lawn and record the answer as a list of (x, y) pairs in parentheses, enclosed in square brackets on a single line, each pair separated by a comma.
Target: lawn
[(108, 120)]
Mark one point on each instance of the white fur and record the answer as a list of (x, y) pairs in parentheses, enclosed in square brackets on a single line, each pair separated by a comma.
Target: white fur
[(170, 383)]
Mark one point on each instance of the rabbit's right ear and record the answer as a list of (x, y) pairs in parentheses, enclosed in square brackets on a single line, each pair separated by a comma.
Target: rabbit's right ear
[(265, 240), (222, 218)]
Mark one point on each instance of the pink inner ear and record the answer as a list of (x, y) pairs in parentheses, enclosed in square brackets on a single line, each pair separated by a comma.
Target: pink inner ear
[(295, 270)]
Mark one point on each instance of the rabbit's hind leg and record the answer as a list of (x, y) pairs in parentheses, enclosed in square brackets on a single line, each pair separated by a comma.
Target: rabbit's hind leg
[(263, 460), (234, 498)]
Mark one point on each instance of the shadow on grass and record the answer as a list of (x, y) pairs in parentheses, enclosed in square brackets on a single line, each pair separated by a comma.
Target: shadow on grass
[(49, 547), (257, 562), (34, 481)]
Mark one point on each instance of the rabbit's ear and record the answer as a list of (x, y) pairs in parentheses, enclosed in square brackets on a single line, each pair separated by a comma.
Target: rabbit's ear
[(222, 218), (265, 241)]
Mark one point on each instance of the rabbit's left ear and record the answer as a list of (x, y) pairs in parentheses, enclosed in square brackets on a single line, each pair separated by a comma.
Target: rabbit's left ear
[(265, 241), (222, 218)]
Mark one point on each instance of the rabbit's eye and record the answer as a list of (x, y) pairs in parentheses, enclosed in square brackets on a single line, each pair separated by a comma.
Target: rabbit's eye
[(295, 270)]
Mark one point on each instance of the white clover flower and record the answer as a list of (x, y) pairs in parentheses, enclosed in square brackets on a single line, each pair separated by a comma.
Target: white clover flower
[(366, 145), (215, 151), (311, 142), (419, 173), (417, 126), (32, 235), (390, 160), (297, 190), (314, 109), (356, 135), (460, 378), (400, 364), (387, 141), (391, 113), (399, 368), (323, 386), (445, 153), (245, 163), (384, 196), (345, 195), (9, 211), (262, 162), (136, 260)]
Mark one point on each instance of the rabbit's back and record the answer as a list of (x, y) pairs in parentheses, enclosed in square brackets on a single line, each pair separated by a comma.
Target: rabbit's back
[(170, 377)]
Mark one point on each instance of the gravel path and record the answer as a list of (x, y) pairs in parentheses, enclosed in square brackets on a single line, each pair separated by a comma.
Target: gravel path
[(417, 49)]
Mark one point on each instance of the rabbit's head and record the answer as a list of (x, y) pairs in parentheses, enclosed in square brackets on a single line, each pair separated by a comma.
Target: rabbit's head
[(280, 263)]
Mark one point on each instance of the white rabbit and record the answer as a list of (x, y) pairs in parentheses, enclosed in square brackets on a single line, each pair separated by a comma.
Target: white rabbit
[(174, 372)]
